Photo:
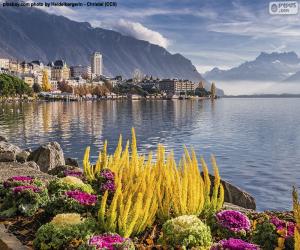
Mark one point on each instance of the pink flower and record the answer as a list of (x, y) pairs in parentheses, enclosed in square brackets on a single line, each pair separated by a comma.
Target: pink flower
[(73, 173), (234, 244), (21, 178), (233, 220), (281, 224), (106, 241), (20, 189), (82, 197)]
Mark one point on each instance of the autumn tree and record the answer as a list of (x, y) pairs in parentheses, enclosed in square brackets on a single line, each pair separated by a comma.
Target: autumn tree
[(213, 90), (64, 87), (46, 85)]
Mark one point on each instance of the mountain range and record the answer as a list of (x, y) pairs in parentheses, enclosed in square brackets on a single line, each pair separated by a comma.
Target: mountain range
[(272, 67), (30, 34)]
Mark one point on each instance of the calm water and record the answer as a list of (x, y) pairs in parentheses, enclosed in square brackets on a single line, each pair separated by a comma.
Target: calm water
[(256, 141)]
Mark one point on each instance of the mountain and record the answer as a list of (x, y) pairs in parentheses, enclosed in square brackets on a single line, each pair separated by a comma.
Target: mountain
[(29, 33), (266, 67)]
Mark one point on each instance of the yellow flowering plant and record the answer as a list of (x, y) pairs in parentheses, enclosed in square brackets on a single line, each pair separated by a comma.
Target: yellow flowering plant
[(147, 189)]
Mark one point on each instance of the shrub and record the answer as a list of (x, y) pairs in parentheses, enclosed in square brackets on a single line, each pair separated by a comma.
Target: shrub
[(174, 189), (186, 231), (63, 231), (60, 186), (272, 232), (296, 208), (234, 244), (110, 242), (265, 235), (22, 195), (72, 201)]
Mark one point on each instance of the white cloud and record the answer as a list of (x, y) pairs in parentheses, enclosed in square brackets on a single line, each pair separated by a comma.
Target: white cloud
[(137, 30)]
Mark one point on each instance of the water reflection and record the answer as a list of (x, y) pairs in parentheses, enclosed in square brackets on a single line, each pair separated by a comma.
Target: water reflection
[(256, 141)]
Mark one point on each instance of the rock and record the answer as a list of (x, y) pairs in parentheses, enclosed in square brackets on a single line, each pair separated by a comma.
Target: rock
[(229, 206), (32, 164), (72, 162), (236, 196), (59, 170), (9, 169), (48, 156), (22, 156), (8, 151), (2, 138)]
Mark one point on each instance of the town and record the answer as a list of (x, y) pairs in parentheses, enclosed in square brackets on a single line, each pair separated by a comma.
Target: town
[(57, 80)]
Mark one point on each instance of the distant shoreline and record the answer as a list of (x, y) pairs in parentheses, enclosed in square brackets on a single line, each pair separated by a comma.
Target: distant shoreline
[(264, 96)]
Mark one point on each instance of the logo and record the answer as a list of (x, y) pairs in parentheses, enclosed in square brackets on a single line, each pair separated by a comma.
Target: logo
[(283, 8)]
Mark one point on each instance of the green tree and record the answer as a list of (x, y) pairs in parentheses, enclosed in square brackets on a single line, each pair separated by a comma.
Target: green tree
[(36, 88), (12, 86)]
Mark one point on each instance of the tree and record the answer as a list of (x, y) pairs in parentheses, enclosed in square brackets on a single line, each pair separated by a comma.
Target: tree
[(64, 87), (11, 86), (36, 88), (46, 85), (213, 90)]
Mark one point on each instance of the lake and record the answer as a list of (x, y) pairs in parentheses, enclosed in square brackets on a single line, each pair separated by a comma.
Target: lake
[(256, 141)]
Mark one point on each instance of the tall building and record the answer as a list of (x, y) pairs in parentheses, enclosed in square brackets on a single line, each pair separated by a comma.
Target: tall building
[(97, 64)]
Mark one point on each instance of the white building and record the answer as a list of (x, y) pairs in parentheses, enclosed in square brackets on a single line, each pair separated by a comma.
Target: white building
[(4, 63), (81, 71), (97, 64)]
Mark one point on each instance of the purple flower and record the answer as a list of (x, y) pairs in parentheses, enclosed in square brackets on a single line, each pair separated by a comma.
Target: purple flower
[(106, 241), (234, 244), (283, 225), (233, 220), (73, 173), (108, 186), (9, 182), (20, 189), (82, 197), (107, 174), (21, 178)]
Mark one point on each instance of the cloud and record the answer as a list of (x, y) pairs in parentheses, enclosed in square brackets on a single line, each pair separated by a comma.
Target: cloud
[(137, 30)]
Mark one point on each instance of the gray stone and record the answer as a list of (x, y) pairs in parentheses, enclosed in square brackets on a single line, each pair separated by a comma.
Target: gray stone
[(72, 162), (2, 138), (8, 241), (8, 151), (32, 164), (22, 156), (236, 196), (48, 156), (59, 170), (9, 169), (229, 206)]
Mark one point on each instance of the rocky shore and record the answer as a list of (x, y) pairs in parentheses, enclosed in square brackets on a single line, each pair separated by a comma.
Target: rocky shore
[(45, 160)]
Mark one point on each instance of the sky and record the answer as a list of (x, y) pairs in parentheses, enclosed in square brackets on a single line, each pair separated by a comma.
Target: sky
[(211, 33)]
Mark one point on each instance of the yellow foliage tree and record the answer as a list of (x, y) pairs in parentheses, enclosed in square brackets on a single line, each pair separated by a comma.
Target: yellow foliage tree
[(296, 208), (147, 188), (46, 85)]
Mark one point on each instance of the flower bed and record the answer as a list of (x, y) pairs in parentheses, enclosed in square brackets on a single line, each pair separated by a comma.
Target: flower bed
[(128, 201)]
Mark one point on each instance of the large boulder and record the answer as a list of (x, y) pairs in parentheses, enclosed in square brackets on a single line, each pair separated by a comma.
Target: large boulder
[(72, 162), (9, 169), (236, 196), (22, 156), (48, 156), (8, 151)]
